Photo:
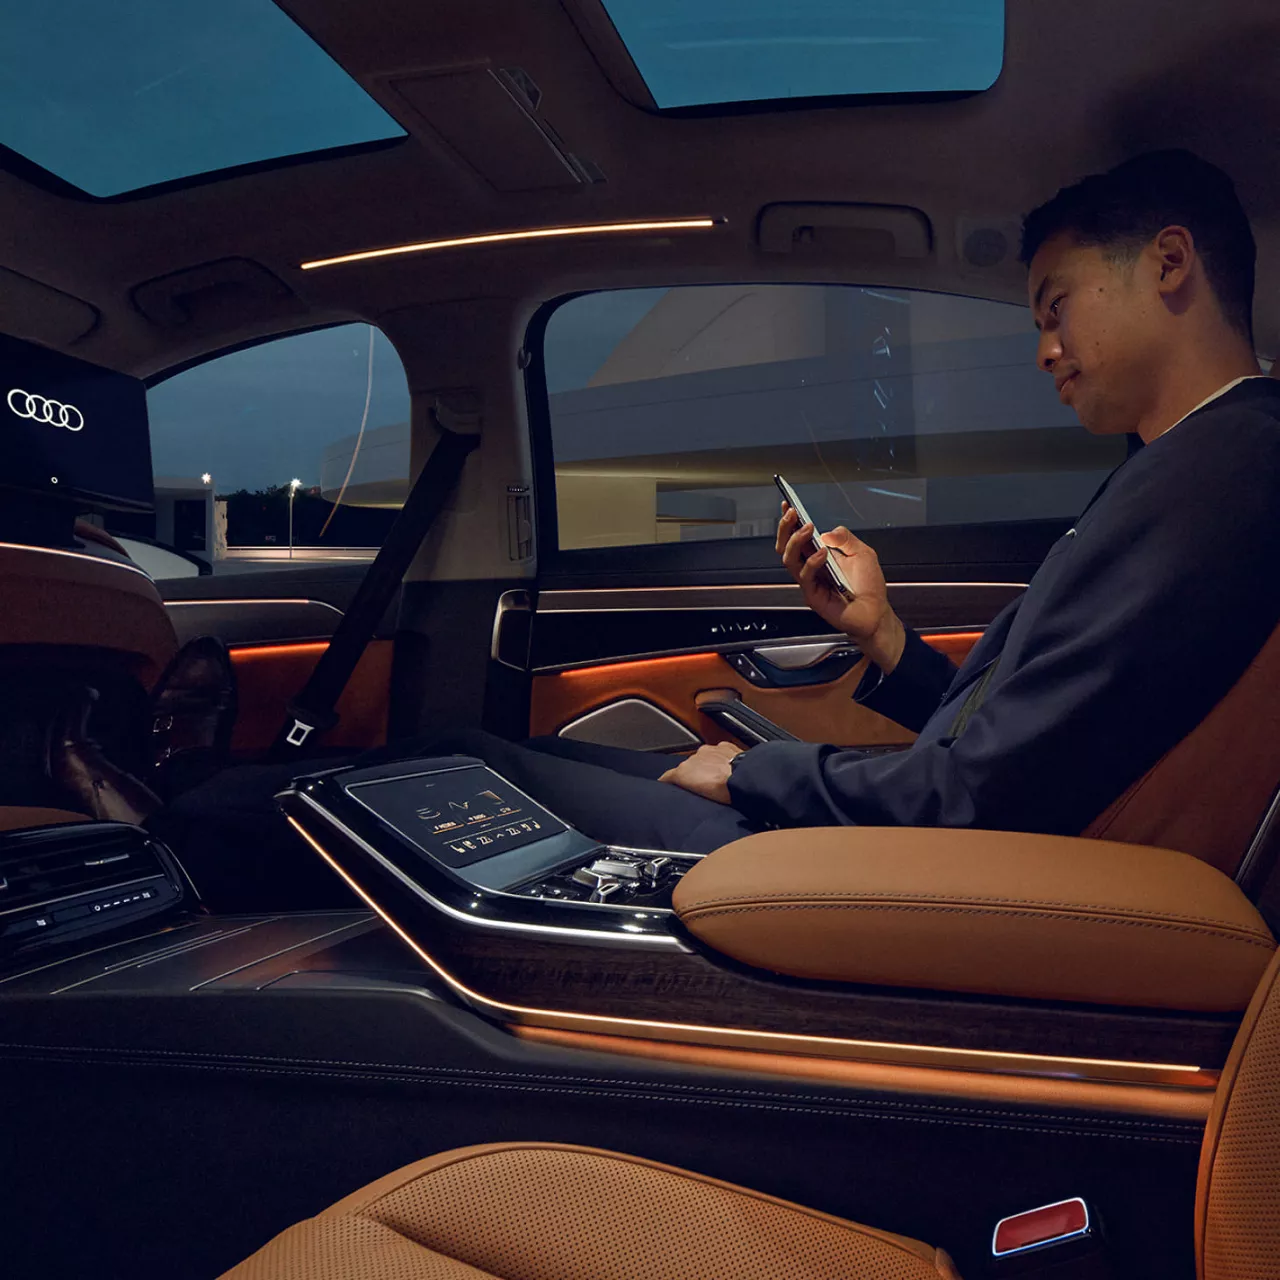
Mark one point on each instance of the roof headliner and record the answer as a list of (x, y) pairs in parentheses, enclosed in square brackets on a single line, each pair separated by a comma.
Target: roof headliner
[(1076, 95)]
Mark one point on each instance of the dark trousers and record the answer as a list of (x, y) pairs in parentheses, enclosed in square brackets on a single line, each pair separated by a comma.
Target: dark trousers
[(243, 855)]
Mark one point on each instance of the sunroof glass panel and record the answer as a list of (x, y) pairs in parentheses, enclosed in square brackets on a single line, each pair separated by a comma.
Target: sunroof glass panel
[(705, 52), (113, 95)]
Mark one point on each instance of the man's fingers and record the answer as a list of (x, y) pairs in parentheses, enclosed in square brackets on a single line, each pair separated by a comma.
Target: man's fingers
[(669, 776), (786, 527), (797, 548), (843, 540), (812, 567)]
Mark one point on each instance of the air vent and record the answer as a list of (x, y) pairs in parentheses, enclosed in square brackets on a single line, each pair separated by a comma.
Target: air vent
[(45, 868), (66, 884)]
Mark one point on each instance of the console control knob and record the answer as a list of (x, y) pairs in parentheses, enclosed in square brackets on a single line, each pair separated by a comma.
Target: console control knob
[(606, 890), (618, 868)]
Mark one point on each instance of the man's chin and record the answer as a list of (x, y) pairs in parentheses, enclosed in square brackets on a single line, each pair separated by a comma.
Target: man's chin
[(1099, 423)]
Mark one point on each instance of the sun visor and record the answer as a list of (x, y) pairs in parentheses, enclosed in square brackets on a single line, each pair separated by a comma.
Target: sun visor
[(70, 429)]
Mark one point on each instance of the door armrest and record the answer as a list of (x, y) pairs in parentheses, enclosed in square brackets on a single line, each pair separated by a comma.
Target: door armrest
[(986, 912), (726, 709)]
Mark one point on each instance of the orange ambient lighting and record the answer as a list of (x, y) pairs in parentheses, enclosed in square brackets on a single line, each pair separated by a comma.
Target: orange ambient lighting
[(247, 653), (508, 237)]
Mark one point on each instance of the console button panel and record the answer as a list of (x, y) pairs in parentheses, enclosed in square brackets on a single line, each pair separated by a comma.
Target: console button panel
[(617, 877)]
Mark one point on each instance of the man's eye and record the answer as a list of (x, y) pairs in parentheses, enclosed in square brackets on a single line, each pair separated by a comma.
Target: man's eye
[(1054, 307)]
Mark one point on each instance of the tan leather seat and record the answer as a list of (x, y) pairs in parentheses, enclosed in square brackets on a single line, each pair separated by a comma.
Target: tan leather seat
[(544, 1212), (85, 606), (19, 817), (1208, 795)]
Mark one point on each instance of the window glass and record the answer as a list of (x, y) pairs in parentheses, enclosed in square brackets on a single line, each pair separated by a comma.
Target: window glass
[(120, 95), (328, 409), (702, 52), (671, 409)]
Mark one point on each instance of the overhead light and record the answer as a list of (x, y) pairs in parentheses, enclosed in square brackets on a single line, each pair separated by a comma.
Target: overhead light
[(507, 237), (206, 478)]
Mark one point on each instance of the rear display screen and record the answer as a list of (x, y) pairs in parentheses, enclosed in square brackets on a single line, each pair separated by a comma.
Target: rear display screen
[(458, 817), (72, 429)]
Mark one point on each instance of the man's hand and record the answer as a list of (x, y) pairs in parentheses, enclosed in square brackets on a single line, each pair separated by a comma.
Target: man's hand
[(706, 772), (867, 619)]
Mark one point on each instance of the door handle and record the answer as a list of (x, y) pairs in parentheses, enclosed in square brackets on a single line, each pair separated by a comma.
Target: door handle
[(794, 665)]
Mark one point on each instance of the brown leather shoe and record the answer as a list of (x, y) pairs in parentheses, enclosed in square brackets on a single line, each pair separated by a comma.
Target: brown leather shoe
[(79, 768), (193, 708)]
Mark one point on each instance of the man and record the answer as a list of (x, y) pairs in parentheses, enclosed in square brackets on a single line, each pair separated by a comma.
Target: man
[(1139, 620), (1143, 615)]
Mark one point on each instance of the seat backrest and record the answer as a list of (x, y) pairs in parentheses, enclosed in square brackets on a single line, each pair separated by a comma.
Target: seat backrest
[(1209, 794), (1238, 1196), (77, 602)]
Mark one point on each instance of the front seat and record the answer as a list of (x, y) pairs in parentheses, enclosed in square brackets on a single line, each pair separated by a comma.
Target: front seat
[(543, 1212)]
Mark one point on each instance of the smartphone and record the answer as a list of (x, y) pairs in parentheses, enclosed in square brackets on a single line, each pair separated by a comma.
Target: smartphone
[(834, 572)]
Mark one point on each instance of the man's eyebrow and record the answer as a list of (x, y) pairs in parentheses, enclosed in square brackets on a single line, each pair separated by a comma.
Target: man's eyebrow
[(1044, 284)]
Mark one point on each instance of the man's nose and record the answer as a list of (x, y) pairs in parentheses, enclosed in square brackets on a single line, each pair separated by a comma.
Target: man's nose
[(1049, 352)]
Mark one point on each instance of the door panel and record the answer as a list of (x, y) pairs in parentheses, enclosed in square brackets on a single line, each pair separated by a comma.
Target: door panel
[(815, 713), (270, 675), (664, 646)]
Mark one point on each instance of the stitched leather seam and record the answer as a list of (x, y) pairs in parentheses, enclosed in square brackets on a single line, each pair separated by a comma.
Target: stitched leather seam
[(1249, 939), (466, 1075), (851, 1112), (819, 895)]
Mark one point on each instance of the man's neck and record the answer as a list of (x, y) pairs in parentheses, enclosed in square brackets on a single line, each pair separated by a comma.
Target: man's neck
[(1188, 384)]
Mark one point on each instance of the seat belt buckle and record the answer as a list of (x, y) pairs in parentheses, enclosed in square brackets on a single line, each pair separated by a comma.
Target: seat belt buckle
[(1060, 1238), (305, 723)]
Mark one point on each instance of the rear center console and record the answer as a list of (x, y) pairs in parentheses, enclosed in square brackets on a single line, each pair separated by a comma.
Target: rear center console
[(450, 835), (878, 944)]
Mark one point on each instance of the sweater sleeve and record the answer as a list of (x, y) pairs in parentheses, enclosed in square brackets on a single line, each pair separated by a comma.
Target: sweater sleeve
[(912, 692)]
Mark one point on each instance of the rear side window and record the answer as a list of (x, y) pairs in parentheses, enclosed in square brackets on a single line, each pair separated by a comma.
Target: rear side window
[(291, 452), (671, 409)]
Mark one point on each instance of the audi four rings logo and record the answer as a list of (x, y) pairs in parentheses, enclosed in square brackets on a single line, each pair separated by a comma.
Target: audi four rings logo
[(38, 409)]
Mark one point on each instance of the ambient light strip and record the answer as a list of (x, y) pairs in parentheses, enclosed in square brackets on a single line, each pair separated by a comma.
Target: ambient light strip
[(510, 237), (1117, 1070)]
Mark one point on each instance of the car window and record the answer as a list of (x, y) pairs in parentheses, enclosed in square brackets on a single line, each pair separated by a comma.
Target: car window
[(670, 410), (290, 452)]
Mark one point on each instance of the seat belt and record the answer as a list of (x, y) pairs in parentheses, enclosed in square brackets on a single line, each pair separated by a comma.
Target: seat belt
[(311, 714)]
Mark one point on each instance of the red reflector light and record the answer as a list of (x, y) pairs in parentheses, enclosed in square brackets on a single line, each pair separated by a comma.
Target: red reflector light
[(1037, 1227)]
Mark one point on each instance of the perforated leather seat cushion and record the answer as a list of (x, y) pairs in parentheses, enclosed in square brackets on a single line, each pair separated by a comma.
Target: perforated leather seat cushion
[(541, 1212), (1238, 1204)]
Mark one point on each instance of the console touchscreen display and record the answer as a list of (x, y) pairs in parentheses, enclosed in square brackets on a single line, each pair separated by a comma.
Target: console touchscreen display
[(460, 816)]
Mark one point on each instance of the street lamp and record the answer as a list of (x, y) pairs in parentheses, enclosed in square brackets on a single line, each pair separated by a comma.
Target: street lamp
[(294, 486), (206, 478)]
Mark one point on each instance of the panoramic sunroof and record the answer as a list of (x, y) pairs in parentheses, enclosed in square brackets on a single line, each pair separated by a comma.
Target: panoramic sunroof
[(706, 52), (113, 95)]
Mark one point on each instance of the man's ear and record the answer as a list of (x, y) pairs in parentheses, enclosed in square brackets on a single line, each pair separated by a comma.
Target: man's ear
[(1174, 250)]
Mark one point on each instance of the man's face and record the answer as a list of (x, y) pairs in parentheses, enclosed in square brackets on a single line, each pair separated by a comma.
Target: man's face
[(1100, 332)]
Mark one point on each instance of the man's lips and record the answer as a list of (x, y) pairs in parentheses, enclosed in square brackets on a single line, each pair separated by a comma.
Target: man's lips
[(1064, 384)]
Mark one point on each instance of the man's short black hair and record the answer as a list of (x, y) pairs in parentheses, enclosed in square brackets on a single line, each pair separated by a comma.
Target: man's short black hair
[(1124, 209)]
